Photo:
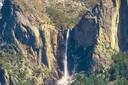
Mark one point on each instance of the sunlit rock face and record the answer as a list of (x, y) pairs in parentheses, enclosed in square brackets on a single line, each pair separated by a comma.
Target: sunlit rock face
[(32, 33), (95, 39), (108, 33), (34, 29), (111, 20), (36, 35)]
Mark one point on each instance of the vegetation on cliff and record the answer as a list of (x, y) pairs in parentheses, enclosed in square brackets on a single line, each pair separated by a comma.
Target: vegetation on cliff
[(20, 70), (116, 75), (33, 33), (68, 12)]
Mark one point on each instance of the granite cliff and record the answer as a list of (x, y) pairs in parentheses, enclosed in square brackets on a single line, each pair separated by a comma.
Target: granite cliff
[(32, 38)]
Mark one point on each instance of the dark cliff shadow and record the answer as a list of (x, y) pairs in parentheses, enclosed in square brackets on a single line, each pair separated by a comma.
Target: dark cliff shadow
[(82, 42), (123, 26), (8, 21), (2, 78)]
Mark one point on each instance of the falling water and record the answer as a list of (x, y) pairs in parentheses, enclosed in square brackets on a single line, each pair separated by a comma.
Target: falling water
[(1, 5), (65, 78)]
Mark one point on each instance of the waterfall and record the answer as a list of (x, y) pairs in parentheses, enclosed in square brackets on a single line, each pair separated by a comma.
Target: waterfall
[(66, 74), (1, 5), (65, 78)]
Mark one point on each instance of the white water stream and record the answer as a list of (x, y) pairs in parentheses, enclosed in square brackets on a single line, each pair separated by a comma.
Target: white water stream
[(65, 78), (1, 3)]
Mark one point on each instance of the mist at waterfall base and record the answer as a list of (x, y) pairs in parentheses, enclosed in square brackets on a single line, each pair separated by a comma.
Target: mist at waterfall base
[(66, 78)]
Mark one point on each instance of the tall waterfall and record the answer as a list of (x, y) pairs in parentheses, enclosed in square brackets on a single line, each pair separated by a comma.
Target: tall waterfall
[(1, 4), (65, 78)]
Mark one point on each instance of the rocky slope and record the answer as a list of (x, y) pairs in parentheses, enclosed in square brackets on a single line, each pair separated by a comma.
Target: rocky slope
[(99, 35), (38, 37), (36, 30)]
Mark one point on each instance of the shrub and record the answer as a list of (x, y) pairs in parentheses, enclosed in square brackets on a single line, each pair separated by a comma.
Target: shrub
[(21, 69), (117, 74), (60, 17), (83, 79), (119, 66)]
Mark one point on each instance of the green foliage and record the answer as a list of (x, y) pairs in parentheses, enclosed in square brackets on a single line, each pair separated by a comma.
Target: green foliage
[(119, 67), (117, 75), (91, 3), (60, 17), (21, 69), (122, 81), (83, 79)]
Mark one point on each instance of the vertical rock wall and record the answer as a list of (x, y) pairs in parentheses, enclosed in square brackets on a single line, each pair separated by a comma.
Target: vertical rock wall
[(108, 33), (123, 26), (98, 28), (34, 34)]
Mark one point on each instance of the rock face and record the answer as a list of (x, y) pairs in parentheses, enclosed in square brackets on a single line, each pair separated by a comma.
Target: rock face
[(100, 33), (33, 30), (5, 80), (31, 33), (35, 33), (82, 44), (123, 26), (108, 33), (2, 79), (38, 31)]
